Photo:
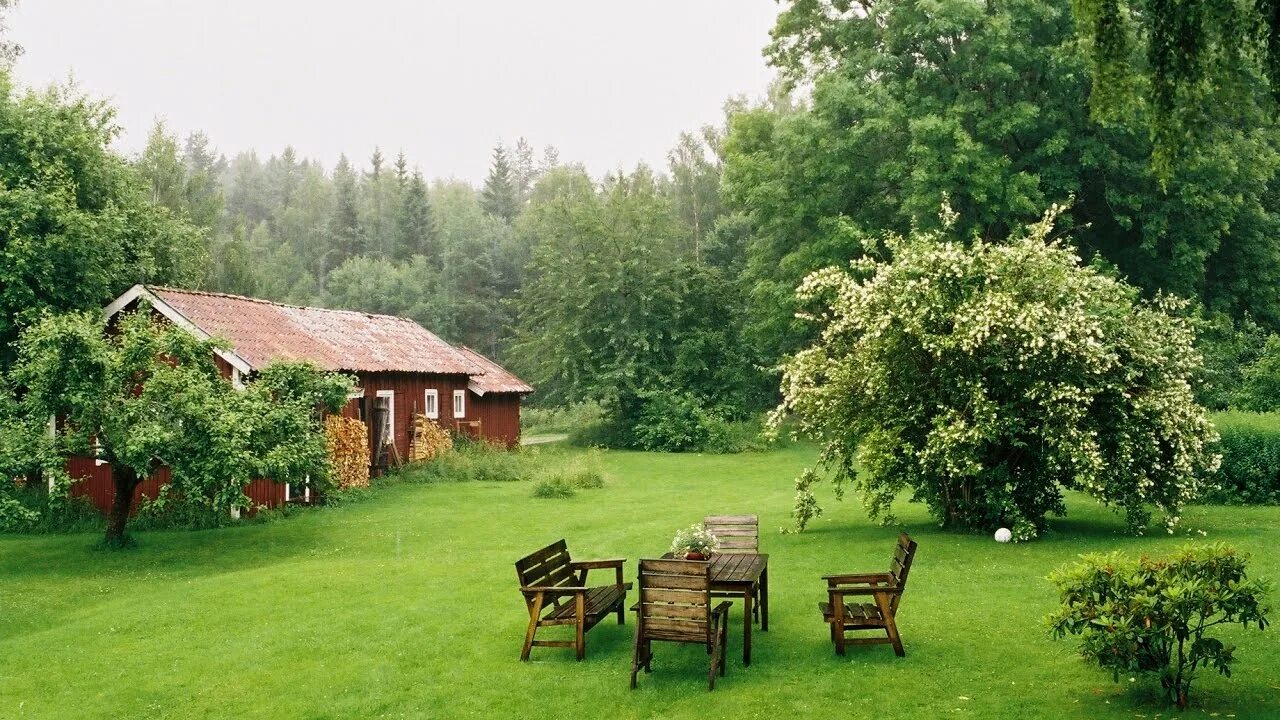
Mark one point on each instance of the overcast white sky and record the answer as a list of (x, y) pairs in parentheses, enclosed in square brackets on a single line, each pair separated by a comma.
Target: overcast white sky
[(609, 83)]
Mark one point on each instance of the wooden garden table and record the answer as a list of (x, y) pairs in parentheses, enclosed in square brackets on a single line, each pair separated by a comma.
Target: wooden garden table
[(740, 574)]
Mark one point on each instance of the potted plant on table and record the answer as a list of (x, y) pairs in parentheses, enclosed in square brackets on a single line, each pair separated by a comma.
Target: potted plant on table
[(694, 543)]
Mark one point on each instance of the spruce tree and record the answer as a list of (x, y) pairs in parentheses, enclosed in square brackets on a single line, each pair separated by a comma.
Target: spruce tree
[(416, 232), (346, 238), (500, 197)]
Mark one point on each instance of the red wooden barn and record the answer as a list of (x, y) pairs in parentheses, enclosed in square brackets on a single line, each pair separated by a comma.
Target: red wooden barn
[(393, 358)]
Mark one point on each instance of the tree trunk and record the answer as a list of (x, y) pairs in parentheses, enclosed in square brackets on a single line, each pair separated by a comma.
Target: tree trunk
[(125, 480)]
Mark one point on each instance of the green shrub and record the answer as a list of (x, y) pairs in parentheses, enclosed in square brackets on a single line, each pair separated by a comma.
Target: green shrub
[(674, 422), (1260, 380), (1250, 469), (1151, 616), (554, 486)]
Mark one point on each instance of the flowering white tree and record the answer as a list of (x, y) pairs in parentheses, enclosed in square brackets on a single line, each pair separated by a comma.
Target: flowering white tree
[(990, 377)]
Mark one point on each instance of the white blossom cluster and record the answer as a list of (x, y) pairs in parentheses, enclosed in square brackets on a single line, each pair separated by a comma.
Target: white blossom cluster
[(990, 377)]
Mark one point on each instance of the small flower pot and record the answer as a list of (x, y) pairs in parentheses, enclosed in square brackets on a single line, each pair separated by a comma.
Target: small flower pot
[(695, 556)]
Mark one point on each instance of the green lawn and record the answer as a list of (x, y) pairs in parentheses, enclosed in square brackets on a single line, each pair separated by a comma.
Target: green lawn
[(405, 605)]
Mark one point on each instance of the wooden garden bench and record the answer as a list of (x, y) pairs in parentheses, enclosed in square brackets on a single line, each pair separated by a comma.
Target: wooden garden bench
[(556, 593), (675, 606), (885, 589)]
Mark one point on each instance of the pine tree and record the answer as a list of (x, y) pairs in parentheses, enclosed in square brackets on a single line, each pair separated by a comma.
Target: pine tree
[(402, 170), (346, 238), (524, 172), (416, 232), (500, 197), (379, 239)]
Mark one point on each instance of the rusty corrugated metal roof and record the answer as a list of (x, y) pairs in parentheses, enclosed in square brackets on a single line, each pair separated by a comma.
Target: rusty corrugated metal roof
[(261, 331), (496, 379)]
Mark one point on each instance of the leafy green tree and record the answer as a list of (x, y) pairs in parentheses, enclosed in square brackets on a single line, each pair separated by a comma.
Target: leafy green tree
[(9, 50), (500, 196), (1178, 58), (989, 105), (695, 185), (992, 378), (161, 166), (79, 224), (203, 195), (247, 196), (234, 266), (149, 394)]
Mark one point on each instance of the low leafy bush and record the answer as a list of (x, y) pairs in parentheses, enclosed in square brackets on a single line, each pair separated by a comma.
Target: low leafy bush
[(1250, 469), (554, 486), (168, 511), (30, 508), (1152, 615)]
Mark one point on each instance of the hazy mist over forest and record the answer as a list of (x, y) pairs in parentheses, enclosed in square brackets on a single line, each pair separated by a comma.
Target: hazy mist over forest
[(609, 84)]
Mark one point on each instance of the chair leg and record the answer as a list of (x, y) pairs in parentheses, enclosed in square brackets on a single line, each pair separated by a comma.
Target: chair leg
[(839, 632), (534, 611), (648, 656), (580, 641), (890, 625), (724, 645), (891, 629), (635, 659)]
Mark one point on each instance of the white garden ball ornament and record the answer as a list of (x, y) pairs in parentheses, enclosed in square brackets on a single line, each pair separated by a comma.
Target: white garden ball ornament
[(1003, 535)]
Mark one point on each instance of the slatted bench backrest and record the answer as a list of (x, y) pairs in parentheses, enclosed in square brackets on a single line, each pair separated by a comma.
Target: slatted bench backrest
[(548, 567), (737, 533), (675, 600), (900, 566)]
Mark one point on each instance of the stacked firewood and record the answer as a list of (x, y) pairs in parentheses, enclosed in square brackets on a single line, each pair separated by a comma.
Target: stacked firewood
[(348, 441), (430, 441)]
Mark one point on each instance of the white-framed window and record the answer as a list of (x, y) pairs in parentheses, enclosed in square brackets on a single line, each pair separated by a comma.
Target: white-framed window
[(389, 425), (237, 380), (459, 403), (431, 404)]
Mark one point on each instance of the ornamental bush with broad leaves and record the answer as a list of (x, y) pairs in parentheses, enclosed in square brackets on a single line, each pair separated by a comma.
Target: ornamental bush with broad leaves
[(990, 377), (1152, 615)]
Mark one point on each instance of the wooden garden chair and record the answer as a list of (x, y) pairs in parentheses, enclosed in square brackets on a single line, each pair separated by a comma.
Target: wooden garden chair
[(884, 589), (675, 606), (556, 593), (737, 534)]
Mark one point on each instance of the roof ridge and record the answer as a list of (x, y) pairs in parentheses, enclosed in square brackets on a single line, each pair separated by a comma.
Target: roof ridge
[(262, 301)]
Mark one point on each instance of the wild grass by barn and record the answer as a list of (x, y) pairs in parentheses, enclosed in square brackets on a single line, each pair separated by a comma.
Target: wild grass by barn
[(405, 605)]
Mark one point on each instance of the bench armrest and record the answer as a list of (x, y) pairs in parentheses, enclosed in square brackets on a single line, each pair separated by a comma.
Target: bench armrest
[(594, 564), (858, 578), (582, 566)]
